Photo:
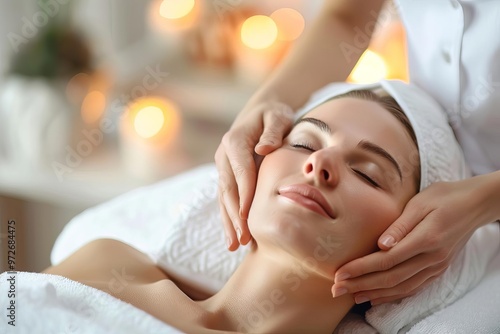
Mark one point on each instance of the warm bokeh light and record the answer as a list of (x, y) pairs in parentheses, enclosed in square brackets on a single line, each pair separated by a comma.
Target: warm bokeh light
[(390, 44), (168, 16), (290, 23), (176, 9), (259, 32), (93, 107), (149, 121), (153, 119), (370, 68)]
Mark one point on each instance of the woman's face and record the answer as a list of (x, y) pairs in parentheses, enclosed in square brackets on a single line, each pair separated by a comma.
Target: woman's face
[(342, 176)]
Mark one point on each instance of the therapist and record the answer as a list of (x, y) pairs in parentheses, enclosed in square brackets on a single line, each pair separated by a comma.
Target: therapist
[(454, 54)]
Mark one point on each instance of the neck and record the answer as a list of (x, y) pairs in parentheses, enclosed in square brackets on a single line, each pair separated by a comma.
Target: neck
[(271, 292)]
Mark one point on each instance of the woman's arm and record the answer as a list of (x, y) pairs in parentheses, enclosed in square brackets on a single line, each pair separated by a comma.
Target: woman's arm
[(326, 52)]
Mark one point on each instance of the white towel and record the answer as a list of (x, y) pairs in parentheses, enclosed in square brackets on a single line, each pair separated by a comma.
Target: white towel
[(466, 270), (53, 304), (477, 312)]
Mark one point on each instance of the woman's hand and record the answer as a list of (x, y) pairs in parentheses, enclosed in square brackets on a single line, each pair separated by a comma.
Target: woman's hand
[(260, 130), (420, 244)]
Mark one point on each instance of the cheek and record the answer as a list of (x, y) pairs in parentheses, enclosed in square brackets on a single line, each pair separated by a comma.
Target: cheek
[(369, 216), (274, 168), (271, 219)]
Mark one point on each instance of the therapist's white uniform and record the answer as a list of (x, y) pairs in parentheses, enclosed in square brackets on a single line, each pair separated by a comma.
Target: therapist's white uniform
[(454, 54)]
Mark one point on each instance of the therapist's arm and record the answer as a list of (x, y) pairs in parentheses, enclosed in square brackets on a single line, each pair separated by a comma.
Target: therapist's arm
[(327, 52)]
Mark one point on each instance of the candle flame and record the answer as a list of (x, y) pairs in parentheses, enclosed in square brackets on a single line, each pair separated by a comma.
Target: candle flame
[(259, 32), (176, 9), (149, 121), (370, 68), (152, 119)]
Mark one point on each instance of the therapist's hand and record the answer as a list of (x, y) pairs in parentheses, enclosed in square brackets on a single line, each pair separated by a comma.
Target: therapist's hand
[(420, 244), (260, 130)]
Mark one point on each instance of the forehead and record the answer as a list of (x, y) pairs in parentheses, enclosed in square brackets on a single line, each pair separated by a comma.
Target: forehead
[(361, 119)]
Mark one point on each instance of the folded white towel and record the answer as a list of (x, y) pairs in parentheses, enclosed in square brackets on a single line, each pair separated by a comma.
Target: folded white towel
[(477, 312), (53, 304), (466, 270)]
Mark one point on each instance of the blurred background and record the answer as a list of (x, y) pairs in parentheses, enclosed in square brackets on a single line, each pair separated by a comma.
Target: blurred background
[(98, 97)]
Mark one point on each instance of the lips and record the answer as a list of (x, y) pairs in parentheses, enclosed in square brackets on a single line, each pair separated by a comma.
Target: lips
[(309, 197)]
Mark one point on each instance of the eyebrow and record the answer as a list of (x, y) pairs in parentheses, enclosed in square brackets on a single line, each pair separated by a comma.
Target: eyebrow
[(318, 123), (363, 144), (374, 148)]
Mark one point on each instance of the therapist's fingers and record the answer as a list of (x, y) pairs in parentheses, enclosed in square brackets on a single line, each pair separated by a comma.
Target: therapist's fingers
[(231, 240), (237, 184), (379, 261), (228, 211), (406, 289), (395, 278), (277, 121), (412, 215)]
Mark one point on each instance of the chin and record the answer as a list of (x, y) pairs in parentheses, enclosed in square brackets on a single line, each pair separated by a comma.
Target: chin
[(285, 231)]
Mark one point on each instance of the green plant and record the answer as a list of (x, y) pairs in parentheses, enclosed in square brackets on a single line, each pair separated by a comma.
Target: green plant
[(56, 51)]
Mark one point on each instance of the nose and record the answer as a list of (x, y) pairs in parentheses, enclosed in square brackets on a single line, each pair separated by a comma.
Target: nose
[(322, 168)]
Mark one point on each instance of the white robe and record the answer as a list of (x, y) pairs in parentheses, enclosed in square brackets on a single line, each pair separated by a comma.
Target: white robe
[(454, 54)]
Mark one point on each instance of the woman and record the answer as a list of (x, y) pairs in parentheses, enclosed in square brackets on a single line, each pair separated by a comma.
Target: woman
[(322, 199), (453, 59)]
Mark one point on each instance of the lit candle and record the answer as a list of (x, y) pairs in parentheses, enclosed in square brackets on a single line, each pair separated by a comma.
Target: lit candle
[(257, 48), (370, 68), (148, 133), (390, 44), (385, 58)]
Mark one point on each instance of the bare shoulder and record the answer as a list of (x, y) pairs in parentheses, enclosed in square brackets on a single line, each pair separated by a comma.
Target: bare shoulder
[(108, 260), (127, 274)]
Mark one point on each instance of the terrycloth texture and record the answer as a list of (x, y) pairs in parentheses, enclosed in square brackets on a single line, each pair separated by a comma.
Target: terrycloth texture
[(177, 222), (354, 323), (54, 304), (477, 312), (466, 270)]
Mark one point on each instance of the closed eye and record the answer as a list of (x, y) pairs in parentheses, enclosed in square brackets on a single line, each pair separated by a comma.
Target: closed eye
[(305, 146), (367, 178)]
